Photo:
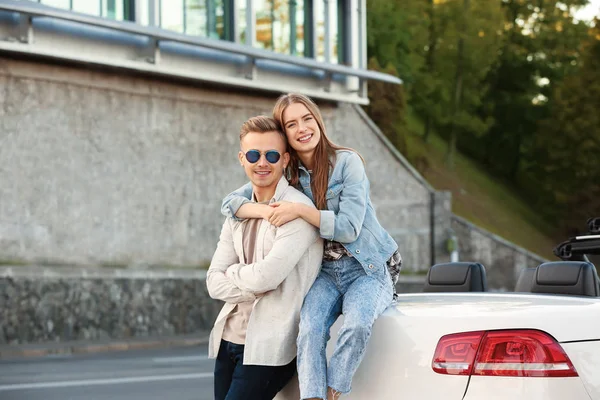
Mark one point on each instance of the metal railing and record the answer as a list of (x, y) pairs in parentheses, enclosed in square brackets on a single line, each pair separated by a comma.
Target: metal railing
[(29, 10)]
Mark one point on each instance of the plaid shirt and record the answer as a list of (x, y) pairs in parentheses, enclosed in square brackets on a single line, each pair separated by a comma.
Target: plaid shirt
[(335, 250)]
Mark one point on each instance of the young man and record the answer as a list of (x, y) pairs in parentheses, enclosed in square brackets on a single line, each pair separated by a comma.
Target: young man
[(262, 273)]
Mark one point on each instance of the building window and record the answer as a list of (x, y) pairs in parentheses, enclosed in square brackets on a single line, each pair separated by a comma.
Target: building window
[(282, 26), (120, 10), (205, 18), (329, 22), (279, 25)]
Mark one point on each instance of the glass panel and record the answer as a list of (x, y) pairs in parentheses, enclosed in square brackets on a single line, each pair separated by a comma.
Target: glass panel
[(241, 21), (275, 20), (195, 16), (57, 3), (171, 15), (216, 24), (320, 29), (333, 32), (87, 6), (114, 9), (264, 24), (144, 14), (281, 26), (298, 23), (331, 15), (220, 26)]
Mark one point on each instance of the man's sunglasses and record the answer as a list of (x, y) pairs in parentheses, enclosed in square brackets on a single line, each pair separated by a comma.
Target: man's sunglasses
[(272, 156)]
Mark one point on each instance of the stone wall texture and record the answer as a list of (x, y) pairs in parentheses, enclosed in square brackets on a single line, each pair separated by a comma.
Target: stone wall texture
[(40, 304), (104, 167), (502, 260)]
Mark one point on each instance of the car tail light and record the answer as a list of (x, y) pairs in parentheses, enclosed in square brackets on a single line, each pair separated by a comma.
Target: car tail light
[(523, 352), (455, 354)]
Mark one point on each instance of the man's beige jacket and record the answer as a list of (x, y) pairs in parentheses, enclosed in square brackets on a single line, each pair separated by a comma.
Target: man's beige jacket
[(287, 262)]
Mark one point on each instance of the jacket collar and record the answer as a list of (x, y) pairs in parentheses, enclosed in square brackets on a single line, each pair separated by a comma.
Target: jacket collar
[(282, 186), (301, 167)]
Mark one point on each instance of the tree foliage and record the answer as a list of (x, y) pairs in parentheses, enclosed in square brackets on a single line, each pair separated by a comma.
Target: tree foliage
[(511, 83), (567, 144), (387, 106)]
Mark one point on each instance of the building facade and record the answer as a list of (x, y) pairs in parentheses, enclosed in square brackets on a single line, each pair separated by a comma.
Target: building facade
[(119, 123), (317, 47)]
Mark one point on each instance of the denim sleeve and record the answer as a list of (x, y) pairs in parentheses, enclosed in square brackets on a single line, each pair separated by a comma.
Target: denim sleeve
[(327, 224), (234, 200), (345, 225)]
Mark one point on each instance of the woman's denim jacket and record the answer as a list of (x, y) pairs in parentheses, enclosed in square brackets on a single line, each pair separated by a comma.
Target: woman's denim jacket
[(349, 219)]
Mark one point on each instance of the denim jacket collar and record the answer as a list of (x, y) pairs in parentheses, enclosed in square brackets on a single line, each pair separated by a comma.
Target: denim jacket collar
[(302, 168)]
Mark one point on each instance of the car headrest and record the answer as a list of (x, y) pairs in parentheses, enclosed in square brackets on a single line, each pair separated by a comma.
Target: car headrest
[(525, 280), (456, 277), (566, 277)]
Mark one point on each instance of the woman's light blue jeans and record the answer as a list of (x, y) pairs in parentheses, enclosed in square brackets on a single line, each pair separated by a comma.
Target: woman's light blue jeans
[(342, 287)]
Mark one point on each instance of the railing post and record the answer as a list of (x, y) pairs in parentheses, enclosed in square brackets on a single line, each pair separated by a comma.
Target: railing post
[(25, 29), (151, 54)]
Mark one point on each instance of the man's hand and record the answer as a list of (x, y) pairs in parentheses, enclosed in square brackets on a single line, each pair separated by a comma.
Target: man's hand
[(256, 295), (283, 212)]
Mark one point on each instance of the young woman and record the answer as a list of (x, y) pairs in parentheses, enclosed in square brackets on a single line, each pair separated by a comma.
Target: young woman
[(361, 260)]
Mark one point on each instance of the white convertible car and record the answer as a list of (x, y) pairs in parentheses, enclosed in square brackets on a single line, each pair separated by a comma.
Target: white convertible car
[(455, 341)]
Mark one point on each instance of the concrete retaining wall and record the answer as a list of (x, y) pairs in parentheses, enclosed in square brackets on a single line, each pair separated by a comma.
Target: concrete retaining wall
[(502, 259), (102, 167)]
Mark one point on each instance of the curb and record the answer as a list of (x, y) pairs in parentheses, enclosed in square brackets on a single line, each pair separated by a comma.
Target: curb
[(94, 347)]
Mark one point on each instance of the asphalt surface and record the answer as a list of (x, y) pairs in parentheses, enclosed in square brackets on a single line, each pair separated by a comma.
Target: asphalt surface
[(176, 373)]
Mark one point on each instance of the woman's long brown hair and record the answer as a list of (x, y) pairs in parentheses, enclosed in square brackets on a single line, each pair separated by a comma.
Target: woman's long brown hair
[(324, 155)]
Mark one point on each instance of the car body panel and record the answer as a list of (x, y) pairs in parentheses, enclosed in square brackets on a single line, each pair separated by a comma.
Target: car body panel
[(398, 358), (452, 313), (397, 364), (585, 357), (503, 388)]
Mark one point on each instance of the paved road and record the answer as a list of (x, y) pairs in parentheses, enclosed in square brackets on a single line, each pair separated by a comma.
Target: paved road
[(178, 374)]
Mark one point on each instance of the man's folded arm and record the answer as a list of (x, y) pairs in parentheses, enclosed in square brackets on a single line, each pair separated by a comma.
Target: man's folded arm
[(291, 242), (219, 286)]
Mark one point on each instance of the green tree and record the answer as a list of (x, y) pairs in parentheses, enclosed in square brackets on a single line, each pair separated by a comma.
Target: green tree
[(465, 53), (396, 35), (387, 106), (458, 81), (567, 144), (429, 91), (540, 48)]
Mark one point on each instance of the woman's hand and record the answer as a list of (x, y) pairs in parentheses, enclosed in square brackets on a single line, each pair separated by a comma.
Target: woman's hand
[(265, 211), (283, 212)]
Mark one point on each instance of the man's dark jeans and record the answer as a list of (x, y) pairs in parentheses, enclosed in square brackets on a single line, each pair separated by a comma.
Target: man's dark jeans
[(235, 381)]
